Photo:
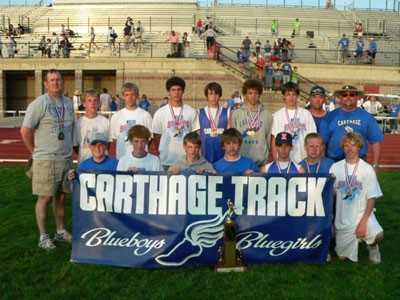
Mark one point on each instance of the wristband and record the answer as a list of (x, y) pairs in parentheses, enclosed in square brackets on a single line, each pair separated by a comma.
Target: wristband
[(375, 166)]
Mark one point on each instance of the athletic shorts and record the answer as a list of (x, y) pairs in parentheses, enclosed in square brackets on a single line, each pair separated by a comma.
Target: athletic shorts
[(50, 177), (347, 242), (373, 54)]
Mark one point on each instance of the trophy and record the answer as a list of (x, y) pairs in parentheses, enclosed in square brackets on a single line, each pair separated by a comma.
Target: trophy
[(230, 258)]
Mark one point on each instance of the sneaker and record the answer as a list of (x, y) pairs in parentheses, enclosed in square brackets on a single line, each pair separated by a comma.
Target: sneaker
[(46, 243), (328, 258), (63, 237), (374, 254)]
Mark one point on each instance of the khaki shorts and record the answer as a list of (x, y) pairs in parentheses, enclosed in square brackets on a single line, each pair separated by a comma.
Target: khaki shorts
[(50, 177)]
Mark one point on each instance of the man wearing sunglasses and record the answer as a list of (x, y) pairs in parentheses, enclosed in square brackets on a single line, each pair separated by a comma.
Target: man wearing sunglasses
[(349, 118)]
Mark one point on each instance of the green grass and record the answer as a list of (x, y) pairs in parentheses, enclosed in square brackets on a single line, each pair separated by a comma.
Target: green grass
[(27, 272)]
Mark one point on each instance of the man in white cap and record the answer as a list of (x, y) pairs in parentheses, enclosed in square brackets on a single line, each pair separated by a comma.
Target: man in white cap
[(350, 118), (373, 49)]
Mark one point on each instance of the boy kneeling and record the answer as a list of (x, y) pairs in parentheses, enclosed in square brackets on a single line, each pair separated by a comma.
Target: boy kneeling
[(356, 188)]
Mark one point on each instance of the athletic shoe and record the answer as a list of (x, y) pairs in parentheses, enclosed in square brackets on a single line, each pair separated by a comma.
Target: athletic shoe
[(374, 254), (63, 237), (46, 243), (328, 258)]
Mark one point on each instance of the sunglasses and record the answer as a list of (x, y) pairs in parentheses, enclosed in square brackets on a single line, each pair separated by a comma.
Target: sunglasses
[(349, 94)]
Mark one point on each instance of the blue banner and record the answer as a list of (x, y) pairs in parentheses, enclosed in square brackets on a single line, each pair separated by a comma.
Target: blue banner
[(155, 220)]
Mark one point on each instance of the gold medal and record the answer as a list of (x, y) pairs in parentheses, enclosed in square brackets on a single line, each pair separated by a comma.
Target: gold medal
[(255, 133), (250, 132), (349, 194), (177, 132), (214, 134)]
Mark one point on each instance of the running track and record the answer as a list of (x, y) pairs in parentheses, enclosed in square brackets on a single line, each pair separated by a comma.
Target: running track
[(12, 148)]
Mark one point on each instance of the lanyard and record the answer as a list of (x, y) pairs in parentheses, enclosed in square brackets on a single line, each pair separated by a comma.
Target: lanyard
[(60, 112), (253, 123), (349, 184), (176, 121), (216, 119), (308, 167), (279, 167), (291, 124)]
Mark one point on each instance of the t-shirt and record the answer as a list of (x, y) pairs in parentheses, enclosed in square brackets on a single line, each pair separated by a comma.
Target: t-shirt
[(144, 104), (344, 42), (297, 25), (395, 110), (298, 127), (318, 121), (108, 164), (241, 57), (172, 132), (372, 108), (350, 208), (260, 64), (373, 47), (267, 48), (149, 162), (242, 164), (321, 167), (105, 102), (339, 122), (246, 44), (360, 46), (285, 167), (42, 115), (258, 46), (83, 129), (270, 70), (124, 120), (286, 69)]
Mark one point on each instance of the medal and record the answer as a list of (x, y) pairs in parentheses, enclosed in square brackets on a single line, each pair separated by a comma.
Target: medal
[(60, 114), (292, 124), (177, 132), (176, 121), (214, 122), (308, 166), (253, 122), (61, 136), (255, 133), (353, 176), (279, 167)]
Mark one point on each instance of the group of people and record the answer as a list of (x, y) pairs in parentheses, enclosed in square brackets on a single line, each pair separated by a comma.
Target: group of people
[(213, 139), (360, 52)]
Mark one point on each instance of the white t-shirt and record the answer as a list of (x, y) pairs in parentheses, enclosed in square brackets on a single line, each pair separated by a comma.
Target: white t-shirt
[(350, 209), (372, 108), (328, 106), (170, 147), (105, 102), (77, 101), (124, 120), (303, 125), (149, 162), (83, 129)]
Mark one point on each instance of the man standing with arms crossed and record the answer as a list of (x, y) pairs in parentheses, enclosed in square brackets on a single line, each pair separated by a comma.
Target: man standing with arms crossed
[(47, 133)]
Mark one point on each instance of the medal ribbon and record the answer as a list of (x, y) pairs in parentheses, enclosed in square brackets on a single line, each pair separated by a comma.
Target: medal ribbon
[(279, 167), (349, 185), (255, 120), (291, 125), (176, 122), (308, 167), (60, 112), (216, 119)]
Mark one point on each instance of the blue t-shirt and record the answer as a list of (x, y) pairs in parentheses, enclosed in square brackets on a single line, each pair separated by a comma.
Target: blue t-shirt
[(372, 46), (144, 104), (241, 57), (324, 167), (267, 48), (395, 110), (231, 102), (270, 70), (109, 164), (241, 165), (338, 122), (286, 69), (318, 121), (114, 106), (273, 169), (344, 42), (360, 46)]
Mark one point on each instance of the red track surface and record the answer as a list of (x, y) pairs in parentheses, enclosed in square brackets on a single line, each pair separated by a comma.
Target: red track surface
[(12, 147)]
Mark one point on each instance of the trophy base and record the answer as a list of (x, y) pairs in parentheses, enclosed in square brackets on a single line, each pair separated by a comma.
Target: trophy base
[(230, 269)]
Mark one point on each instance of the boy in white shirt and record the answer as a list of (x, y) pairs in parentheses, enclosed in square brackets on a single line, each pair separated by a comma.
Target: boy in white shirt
[(89, 124), (139, 159), (295, 120), (356, 189), (172, 122), (126, 118)]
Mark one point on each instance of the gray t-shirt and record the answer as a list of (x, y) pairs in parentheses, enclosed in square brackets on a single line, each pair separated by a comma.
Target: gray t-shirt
[(200, 164), (41, 115)]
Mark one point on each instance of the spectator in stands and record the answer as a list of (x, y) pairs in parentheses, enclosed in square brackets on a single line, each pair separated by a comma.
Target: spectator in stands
[(373, 49), (144, 103), (257, 45), (237, 99), (230, 102), (129, 23), (328, 105), (11, 30), (42, 46), (349, 118), (56, 45), (253, 65), (394, 112), (207, 23), (246, 44), (48, 48), (165, 102), (138, 40), (372, 105), (285, 50), (127, 36), (317, 100), (297, 26), (260, 68), (66, 46), (278, 75), (105, 100), (62, 30), (199, 27), (1, 48), (186, 44), (269, 75), (277, 48), (141, 28), (111, 37), (291, 47), (360, 50), (11, 47), (210, 36), (92, 37), (273, 27), (344, 44), (174, 40), (47, 133), (241, 59), (20, 30), (287, 70), (328, 4), (267, 51)]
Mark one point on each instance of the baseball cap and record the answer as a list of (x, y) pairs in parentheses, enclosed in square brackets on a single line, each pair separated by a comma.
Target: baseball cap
[(98, 137), (283, 138), (317, 90)]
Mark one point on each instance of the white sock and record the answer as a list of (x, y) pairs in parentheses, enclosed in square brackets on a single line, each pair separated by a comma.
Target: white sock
[(61, 231), (43, 236)]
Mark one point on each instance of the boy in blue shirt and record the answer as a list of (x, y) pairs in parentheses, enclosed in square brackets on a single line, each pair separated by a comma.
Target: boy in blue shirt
[(144, 103), (394, 112), (344, 43), (231, 140), (315, 163)]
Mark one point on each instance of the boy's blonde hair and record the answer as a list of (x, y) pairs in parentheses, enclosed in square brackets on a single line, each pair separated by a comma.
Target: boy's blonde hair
[(90, 93), (129, 86), (352, 136)]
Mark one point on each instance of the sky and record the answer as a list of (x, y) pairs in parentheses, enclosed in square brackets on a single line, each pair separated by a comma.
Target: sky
[(363, 4)]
